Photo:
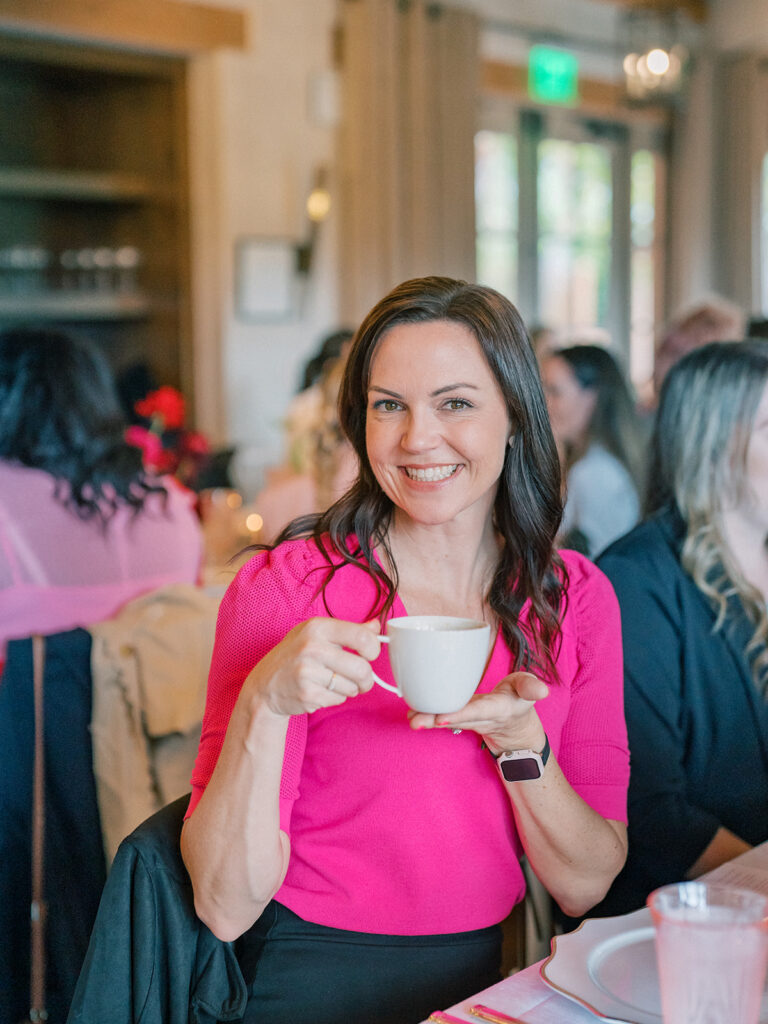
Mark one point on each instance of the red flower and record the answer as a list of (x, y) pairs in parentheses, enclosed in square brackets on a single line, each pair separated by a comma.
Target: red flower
[(154, 456), (165, 405), (166, 446), (196, 444), (140, 437)]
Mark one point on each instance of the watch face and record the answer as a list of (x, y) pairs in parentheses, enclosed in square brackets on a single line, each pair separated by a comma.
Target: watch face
[(520, 769)]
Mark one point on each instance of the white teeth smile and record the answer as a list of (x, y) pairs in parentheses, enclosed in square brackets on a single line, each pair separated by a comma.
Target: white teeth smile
[(432, 473)]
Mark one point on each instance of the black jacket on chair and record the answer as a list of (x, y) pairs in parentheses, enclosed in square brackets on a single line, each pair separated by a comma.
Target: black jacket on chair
[(697, 724), (150, 959), (75, 867)]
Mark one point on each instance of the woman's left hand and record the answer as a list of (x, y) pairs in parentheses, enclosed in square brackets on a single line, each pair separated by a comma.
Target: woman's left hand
[(574, 851), (506, 717)]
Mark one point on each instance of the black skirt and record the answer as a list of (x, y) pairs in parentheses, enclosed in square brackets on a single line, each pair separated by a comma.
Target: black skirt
[(305, 973)]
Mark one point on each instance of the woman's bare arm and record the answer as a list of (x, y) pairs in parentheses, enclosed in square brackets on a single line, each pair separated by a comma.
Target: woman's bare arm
[(573, 850), (724, 846), (232, 844)]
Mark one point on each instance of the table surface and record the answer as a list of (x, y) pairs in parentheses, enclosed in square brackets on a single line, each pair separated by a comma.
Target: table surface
[(527, 996)]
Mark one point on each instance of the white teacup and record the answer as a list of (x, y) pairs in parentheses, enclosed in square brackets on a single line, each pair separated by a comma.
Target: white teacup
[(437, 660)]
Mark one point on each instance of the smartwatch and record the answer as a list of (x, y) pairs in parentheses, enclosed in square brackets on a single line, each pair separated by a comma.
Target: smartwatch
[(522, 765)]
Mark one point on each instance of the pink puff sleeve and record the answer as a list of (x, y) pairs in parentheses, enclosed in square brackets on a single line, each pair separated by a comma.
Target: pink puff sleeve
[(594, 753), (269, 596)]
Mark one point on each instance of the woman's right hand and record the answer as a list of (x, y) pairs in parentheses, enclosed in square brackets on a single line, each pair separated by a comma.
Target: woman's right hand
[(320, 663)]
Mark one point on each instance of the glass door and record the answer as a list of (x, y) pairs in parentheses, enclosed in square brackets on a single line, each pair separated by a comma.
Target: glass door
[(567, 226), (578, 280)]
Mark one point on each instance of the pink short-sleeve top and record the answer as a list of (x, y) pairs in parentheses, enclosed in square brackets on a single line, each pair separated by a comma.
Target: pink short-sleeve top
[(397, 831)]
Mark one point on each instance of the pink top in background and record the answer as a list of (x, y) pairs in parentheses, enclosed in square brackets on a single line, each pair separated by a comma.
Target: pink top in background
[(58, 571), (401, 832)]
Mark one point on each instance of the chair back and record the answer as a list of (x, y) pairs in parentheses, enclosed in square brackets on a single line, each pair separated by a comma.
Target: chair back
[(73, 855), (150, 958)]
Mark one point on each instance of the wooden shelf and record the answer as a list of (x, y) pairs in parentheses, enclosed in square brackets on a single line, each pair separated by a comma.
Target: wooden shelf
[(93, 153), (87, 186), (74, 306)]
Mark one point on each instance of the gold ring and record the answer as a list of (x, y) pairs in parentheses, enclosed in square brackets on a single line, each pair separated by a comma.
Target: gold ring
[(330, 682)]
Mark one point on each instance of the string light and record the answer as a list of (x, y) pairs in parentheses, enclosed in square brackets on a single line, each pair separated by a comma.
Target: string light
[(254, 522), (658, 61)]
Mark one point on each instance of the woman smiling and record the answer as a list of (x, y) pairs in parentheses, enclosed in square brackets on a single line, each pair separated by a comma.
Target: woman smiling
[(363, 854)]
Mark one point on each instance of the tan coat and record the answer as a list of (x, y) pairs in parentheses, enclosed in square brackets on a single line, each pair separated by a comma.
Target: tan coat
[(150, 671)]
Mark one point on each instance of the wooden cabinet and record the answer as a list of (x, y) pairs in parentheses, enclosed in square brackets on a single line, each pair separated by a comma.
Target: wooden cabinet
[(94, 222)]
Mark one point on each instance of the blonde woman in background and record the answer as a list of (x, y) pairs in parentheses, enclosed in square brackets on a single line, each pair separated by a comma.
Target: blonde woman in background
[(692, 583), (334, 464), (325, 463), (307, 409)]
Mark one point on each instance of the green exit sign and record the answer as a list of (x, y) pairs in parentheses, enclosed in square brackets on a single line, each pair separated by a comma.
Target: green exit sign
[(553, 75)]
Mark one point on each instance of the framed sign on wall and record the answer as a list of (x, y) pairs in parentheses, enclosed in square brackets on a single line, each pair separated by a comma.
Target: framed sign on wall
[(265, 278)]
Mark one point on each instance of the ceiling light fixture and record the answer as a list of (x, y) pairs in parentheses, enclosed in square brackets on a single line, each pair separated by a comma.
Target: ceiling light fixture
[(656, 57)]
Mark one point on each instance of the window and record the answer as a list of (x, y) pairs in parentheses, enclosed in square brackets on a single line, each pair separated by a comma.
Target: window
[(575, 199), (569, 226), (496, 203), (644, 261)]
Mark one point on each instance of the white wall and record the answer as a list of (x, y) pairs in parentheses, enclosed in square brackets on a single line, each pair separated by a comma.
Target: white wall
[(269, 141), (698, 257), (739, 24)]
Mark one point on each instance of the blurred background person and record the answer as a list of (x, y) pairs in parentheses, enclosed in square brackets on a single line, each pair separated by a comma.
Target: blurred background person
[(327, 466), (334, 465), (601, 446), (544, 340), (757, 327), (330, 349), (714, 319), (307, 409), (692, 583), (83, 527)]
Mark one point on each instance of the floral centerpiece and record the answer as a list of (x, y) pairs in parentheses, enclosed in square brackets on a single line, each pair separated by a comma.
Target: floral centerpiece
[(167, 445)]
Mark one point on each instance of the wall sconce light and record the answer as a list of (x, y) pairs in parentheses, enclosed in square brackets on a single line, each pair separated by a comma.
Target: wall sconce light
[(656, 58), (318, 206)]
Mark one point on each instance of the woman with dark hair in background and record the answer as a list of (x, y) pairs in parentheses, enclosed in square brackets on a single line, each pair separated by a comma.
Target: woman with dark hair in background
[(692, 582), (83, 528), (361, 854), (601, 445)]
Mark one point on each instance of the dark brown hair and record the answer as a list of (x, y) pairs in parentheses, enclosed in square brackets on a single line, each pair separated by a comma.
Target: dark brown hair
[(528, 506), (614, 423)]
